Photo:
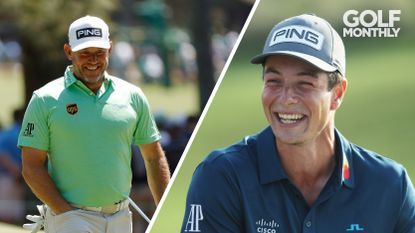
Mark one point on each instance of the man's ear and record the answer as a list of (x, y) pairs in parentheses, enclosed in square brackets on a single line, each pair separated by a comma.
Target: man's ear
[(338, 94), (68, 51), (110, 49)]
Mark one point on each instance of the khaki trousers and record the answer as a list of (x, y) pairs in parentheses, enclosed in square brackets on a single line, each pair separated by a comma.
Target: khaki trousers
[(84, 221)]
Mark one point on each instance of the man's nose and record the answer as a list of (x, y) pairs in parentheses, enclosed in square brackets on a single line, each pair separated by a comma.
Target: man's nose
[(288, 96), (93, 58)]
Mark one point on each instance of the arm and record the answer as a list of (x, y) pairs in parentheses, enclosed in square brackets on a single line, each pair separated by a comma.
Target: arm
[(406, 220), (158, 174), (213, 203), (37, 177)]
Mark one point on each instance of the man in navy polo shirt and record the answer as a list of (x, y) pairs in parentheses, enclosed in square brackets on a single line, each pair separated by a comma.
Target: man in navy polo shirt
[(300, 174)]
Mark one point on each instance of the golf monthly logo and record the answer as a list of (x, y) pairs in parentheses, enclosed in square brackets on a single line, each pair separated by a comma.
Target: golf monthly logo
[(195, 216), (369, 23)]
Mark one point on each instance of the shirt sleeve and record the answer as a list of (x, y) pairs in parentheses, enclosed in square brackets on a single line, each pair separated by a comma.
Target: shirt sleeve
[(406, 220), (213, 202), (35, 130), (146, 129)]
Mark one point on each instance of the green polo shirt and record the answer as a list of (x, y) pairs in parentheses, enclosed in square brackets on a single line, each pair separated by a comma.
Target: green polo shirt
[(88, 136)]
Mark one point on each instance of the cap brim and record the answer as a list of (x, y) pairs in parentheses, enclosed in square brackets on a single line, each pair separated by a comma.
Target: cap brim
[(91, 44), (260, 59)]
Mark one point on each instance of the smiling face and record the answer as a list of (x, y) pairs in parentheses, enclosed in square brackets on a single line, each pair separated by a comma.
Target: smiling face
[(297, 101), (89, 64)]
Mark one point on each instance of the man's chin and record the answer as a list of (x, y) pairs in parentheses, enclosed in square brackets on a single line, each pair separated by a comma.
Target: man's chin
[(288, 138), (93, 80)]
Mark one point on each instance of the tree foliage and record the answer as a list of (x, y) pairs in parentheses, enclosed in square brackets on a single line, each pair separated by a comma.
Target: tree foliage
[(42, 27)]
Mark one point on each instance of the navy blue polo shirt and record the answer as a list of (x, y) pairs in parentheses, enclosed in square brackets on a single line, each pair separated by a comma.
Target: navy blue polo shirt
[(244, 188)]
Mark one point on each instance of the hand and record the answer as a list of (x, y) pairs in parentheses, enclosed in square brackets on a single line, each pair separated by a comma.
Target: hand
[(38, 220)]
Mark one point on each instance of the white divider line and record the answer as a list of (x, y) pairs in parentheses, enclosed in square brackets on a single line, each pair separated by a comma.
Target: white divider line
[(212, 95)]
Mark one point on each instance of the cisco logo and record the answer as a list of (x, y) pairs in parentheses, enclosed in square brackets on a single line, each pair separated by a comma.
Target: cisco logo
[(266, 226)]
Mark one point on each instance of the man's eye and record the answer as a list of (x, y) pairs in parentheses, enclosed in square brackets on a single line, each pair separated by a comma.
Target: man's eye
[(271, 78), (306, 84), (272, 81)]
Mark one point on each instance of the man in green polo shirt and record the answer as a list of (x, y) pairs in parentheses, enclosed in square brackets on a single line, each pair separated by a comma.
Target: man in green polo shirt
[(83, 125)]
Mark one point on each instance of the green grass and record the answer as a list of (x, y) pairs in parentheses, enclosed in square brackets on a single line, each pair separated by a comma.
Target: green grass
[(377, 113)]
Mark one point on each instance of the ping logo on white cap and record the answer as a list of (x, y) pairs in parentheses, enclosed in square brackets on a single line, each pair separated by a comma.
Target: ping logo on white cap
[(88, 32), (298, 34)]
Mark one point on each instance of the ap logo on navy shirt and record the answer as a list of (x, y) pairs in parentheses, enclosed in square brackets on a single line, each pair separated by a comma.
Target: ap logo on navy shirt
[(195, 215)]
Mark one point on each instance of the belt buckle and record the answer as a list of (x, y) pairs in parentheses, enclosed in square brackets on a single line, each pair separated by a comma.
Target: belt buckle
[(112, 209)]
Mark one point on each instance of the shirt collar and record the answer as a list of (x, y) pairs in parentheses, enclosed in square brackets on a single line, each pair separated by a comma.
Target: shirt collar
[(70, 78), (269, 163), (270, 168), (344, 152)]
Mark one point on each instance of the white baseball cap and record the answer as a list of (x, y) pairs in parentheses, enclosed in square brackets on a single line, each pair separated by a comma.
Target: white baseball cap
[(309, 38), (88, 31)]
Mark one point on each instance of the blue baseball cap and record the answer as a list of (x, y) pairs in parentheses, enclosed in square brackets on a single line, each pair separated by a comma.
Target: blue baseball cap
[(309, 38)]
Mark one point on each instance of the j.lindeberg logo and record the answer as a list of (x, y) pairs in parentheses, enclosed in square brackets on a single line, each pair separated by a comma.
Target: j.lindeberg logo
[(298, 34), (266, 226), (355, 227), (369, 23), (88, 32)]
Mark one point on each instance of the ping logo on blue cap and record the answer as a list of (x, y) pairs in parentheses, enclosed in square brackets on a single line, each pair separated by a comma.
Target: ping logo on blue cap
[(88, 32), (297, 34)]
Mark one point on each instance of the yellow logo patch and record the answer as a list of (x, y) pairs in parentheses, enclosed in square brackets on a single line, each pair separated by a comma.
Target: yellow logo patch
[(72, 108)]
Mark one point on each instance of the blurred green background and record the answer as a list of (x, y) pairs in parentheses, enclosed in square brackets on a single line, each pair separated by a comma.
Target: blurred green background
[(377, 113), (173, 50)]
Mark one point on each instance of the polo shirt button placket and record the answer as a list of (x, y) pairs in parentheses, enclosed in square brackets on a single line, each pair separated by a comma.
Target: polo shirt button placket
[(307, 225)]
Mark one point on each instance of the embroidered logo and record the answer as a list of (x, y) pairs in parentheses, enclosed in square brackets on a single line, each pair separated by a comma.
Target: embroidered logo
[(72, 108), (266, 226), (299, 35), (346, 168), (88, 32), (195, 216), (28, 132), (354, 227)]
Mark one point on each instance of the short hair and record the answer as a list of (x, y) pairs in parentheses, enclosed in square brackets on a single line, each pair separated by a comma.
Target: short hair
[(334, 78)]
